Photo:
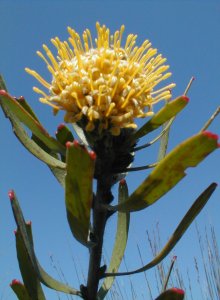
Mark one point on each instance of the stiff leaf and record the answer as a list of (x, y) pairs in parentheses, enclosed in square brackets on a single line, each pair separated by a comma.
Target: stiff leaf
[(42, 276), (120, 242), (178, 233), (34, 145), (164, 140), (21, 100), (64, 135), (80, 134), (14, 108), (60, 175), (20, 290), (78, 190), (170, 110), (31, 281), (2, 84), (170, 171)]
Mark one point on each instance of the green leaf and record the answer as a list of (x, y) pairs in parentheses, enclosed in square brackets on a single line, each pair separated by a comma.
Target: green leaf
[(178, 233), (58, 170), (12, 108), (80, 134), (170, 110), (120, 242), (170, 170), (164, 140), (78, 190), (43, 277), (64, 135), (60, 175), (2, 84), (34, 145), (29, 276), (20, 290), (21, 100), (171, 294)]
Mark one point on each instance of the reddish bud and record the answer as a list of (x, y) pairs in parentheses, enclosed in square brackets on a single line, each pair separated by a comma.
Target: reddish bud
[(15, 281), (11, 195), (174, 258), (178, 291), (69, 144), (76, 143), (210, 135), (123, 181), (185, 98), (29, 223), (3, 93), (92, 155), (15, 231), (61, 126), (21, 98)]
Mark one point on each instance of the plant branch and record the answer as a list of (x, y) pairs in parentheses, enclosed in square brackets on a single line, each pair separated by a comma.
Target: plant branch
[(100, 216)]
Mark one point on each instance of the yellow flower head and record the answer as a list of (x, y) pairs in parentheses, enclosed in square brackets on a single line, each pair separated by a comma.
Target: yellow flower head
[(102, 82)]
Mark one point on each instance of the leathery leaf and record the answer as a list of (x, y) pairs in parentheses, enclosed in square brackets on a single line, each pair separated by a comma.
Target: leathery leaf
[(78, 190), (42, 276), (191, 214), (12, 108), (20, 290), (120, 241), (31, 281), (170, 170), (170, 110), (33, 144)]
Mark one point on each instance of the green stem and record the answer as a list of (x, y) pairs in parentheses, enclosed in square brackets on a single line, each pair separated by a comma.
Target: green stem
[(100, 216)]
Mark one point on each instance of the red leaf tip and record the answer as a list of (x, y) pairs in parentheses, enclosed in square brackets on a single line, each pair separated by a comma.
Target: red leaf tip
[(210, 135), (69, 144), (15, 281), (178, 291), (92, 155), (76, 143), (185, 98), (123, 181), (3, 93), (61, 126), (11, 195)]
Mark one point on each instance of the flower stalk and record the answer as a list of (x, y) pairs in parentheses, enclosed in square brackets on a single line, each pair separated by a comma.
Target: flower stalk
[(100, 216)]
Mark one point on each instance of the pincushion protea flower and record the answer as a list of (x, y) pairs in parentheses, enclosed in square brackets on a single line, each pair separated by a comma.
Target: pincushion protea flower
[(101, 82)]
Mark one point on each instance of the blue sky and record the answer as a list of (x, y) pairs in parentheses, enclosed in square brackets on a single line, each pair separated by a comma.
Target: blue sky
[(187, 33)]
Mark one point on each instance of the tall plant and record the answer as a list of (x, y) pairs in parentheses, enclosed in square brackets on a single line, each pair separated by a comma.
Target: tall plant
[(102, 87)]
